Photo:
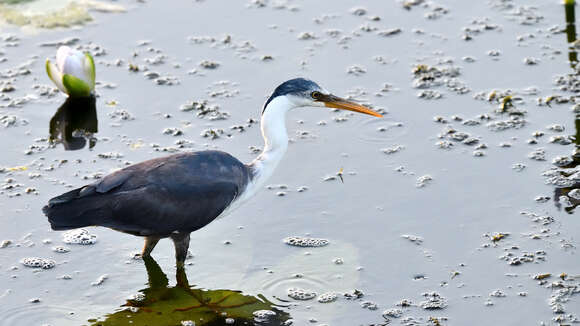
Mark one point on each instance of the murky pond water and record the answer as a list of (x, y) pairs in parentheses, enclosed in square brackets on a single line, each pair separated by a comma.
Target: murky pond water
[(456, 208)]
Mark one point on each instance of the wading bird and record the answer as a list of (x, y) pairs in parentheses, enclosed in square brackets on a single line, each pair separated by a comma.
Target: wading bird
[(175, 195)]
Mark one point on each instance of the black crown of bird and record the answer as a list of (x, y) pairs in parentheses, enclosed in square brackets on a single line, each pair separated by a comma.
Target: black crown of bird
[(172, 196)]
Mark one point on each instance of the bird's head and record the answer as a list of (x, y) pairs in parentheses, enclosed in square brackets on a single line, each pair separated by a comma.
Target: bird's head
[(300, 92)]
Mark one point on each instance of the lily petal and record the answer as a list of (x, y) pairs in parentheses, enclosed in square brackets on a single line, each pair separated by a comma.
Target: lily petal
[(55, 75), (89, 67), (73, 65), (61, 54), (76, 87)]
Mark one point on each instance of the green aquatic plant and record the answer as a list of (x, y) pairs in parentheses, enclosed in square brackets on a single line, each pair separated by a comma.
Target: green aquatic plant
[(161, 304), (13, 2), (72, 14)]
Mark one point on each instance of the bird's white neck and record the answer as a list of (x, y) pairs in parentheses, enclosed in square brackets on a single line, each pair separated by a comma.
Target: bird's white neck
[(275, 140)]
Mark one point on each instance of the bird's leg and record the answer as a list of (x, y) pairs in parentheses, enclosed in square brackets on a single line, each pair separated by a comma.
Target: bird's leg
[(181, 241), (150, 243)]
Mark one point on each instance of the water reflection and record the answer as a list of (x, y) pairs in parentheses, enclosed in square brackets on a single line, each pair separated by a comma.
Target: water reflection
[(74, 123), (569, 7), (161, 304), (569, 202)]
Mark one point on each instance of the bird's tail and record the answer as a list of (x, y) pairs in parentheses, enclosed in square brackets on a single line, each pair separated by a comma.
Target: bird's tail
[(70, 211)]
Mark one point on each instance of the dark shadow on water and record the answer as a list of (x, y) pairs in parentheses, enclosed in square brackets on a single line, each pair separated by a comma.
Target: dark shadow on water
[(161, 304), (74, 123), (569, 8)]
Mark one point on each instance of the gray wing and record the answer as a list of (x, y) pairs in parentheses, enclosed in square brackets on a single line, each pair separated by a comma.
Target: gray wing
[(182, 192)]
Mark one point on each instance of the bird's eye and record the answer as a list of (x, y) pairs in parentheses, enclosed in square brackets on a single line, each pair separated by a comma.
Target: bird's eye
[(316, 95)]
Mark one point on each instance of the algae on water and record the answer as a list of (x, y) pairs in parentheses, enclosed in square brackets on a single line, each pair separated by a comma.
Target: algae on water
[(43, 14)]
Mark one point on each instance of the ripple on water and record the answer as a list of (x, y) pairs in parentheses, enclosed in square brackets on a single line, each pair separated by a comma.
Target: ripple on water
[(373, 130), (36, 314), (298, 281)]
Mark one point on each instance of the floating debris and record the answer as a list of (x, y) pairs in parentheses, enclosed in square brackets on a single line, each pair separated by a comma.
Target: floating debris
[(100, 280), (172, 131), (353, 295), (393, 313), (423, 181), (434, 301), (530, 61), (542, 276), (205, 110), (212, 133), (369, 305), (514, 122), (79, 236), (562, 161), (497, 294), (429, 94), (356, 70), (305, 242), (413, 238), (393, 149), (538, 155), (306, 36), (499, 236), (207, 64)]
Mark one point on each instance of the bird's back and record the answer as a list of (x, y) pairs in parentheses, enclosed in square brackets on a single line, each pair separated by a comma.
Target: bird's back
[(181, 192)]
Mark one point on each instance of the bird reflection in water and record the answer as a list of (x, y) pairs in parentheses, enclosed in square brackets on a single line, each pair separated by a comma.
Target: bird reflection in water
[(74, 123), (161, 304), (570, 202)]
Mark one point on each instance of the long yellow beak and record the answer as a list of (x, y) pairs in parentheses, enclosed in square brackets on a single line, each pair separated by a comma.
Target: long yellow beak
[(336, 102)]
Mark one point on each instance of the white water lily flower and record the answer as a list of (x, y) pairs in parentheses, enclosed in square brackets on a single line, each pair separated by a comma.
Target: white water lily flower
[(74, 72)]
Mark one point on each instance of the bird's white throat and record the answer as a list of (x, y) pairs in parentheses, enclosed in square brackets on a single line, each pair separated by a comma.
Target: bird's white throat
[(273, 126)]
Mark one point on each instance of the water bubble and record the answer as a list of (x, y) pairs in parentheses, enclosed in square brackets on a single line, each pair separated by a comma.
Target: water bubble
[(327, 297), (79, 236), (305, 242), (263, 315), (36, 262), (300, 294), (60, 249)]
